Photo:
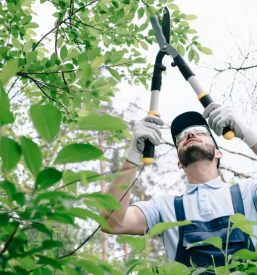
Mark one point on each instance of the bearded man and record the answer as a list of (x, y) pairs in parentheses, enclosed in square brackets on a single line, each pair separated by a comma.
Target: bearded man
[(207, 201)]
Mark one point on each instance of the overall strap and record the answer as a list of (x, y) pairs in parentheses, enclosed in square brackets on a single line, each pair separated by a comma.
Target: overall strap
[(237, 200), (179, 208)]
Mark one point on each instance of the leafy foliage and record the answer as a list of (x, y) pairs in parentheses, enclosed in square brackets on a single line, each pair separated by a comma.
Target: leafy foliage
[(63, 87)]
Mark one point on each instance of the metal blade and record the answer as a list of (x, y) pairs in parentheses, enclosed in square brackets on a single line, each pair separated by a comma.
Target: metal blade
[(171, 51), (166, 24), (164, 46), (158, 31)]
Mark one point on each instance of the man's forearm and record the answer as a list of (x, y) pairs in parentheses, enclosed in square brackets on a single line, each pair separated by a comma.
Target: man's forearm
[(115, 189)]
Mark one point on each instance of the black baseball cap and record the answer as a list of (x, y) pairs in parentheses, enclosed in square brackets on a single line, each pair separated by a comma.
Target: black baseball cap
[(189, 119)]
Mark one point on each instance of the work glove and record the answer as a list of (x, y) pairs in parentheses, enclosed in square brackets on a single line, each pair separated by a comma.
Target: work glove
[(221, 116), (144, 129)]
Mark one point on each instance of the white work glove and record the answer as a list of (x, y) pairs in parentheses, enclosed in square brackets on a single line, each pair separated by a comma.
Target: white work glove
[(144, 129), (221, 116)]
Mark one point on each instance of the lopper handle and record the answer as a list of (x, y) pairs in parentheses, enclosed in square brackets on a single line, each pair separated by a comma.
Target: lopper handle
[(206, 99), (148, 154)]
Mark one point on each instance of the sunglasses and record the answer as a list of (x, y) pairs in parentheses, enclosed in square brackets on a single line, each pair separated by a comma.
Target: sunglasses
[(197, 130)]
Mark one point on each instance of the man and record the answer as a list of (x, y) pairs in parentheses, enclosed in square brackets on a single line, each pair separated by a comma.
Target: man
[(208, 202)]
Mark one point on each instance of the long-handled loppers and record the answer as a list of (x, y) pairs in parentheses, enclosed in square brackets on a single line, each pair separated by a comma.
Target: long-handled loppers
[(163, 38)]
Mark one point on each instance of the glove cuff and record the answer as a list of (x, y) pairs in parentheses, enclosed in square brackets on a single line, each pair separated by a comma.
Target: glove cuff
[(250, 137), (133, 156)]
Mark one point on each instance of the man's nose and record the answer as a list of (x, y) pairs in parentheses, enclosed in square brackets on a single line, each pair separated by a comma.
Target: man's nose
[(190, 135)]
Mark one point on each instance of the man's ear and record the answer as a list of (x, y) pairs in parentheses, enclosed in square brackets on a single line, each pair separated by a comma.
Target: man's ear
[(218, 154), (180, 166)]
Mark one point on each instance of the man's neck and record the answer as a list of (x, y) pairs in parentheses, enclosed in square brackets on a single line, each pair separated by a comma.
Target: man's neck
[(201, 172)]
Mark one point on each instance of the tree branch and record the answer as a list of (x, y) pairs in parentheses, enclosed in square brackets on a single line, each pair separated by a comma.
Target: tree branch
[(10, 239), (62, 22)]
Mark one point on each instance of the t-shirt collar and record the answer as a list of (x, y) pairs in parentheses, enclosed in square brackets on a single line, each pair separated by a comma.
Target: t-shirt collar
[(215, 183)]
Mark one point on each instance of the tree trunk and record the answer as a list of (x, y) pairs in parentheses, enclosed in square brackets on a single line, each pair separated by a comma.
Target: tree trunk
[(102, 167)]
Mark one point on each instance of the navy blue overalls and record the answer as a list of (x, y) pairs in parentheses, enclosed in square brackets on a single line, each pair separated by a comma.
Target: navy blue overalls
[(199, 231)]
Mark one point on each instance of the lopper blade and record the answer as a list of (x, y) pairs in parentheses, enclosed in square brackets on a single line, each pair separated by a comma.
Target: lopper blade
[(158, 32), (166, 24), (161, 39)]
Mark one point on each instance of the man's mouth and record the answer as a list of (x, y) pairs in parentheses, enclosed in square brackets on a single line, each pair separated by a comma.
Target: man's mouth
[(191, 140)]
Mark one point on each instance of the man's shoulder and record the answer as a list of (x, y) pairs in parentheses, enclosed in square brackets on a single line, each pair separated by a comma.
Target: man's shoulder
[(164, 199), (247, 187)]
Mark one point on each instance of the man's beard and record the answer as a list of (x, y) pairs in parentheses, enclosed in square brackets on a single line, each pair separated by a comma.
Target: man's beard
[(196, 153)]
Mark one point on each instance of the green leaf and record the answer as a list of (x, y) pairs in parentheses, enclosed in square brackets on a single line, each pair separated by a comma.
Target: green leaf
[(70, 176), (19, 198), (142, 27), (199, 271), (9, 70), (116, 56), (26, 19), (10, 152), (94, 53), (102, 123), (41, 228), (64, 52), (61, 217), (77, 153), (215, 241), (205, 50), (120, 14), (191, 31), (16, 43), (9, 189), (245, 254), (241, 222), (140, 12), (31, 25), (195, 38), (41, 270), (115, 74), (60, 42), (144, 45), (184, 24), (174, 268), (190, 17), (150, 11), (139, 60), (65, 99), (191, 54), (181, 49), (136, 242), (160, 227), (47, 120), (48, 244), (5, 115), (173, 7), (32, 155), (97, 62), (49, 261), (47, 178), (84, 214), (31, 57), (101, 201)]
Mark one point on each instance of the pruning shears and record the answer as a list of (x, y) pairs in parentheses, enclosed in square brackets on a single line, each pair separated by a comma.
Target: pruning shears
[(163, 38)]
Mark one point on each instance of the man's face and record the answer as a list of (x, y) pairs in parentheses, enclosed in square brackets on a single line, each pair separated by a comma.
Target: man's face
[(195, 147)]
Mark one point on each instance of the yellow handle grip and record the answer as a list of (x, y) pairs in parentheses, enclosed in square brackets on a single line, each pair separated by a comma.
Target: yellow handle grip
[(206, 99), (229, 135)]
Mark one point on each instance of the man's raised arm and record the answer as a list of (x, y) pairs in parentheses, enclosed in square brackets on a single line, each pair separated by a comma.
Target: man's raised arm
[(132, 221)]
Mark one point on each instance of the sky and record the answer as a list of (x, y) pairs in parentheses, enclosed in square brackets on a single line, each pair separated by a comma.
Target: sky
[(226, 27)]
